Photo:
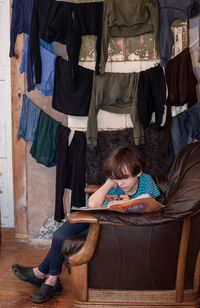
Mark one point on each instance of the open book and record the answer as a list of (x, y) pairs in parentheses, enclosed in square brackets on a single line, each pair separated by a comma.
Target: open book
[(142, 204)]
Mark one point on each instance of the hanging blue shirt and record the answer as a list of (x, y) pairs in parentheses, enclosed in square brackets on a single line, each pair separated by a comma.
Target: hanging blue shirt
[(28, 119), (46, 85)]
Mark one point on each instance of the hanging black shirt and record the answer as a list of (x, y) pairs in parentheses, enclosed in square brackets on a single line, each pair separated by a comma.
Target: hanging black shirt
[(69, 99)]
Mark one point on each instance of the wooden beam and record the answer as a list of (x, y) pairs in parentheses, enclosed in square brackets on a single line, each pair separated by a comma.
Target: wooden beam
[(19, 146), (183, 248)]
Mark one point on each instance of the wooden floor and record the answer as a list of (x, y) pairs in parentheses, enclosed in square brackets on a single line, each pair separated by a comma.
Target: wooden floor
[(16, 293)]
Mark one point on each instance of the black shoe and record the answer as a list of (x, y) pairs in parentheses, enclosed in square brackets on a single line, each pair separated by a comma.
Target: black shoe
[(45, 292), (26, 274)]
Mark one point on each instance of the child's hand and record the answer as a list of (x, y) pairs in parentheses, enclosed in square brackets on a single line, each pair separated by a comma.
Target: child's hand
[(112, 183), (110, 198), (124, 197)]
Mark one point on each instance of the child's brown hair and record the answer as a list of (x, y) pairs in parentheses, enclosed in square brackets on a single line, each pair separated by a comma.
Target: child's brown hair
[(122, 159)]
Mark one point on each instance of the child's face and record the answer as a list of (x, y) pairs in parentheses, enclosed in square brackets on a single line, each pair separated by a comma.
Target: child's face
[(129, 183)]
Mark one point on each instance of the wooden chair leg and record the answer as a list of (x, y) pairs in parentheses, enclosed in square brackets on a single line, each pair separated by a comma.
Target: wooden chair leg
[(180, 276), (197, 274)]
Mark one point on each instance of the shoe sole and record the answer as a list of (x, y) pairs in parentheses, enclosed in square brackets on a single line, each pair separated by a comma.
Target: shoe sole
[(38, 301), (20, 277)]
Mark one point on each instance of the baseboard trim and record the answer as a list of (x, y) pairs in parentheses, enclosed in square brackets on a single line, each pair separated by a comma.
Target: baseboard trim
[(8, 234)]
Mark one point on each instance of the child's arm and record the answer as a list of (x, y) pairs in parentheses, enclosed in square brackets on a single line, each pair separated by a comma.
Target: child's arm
[(98, 197)]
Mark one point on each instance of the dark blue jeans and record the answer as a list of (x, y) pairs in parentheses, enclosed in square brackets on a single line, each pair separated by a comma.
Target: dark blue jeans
[(52, 264)]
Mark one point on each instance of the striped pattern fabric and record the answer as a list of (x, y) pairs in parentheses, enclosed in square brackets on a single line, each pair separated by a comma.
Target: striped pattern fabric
[(146, 186)]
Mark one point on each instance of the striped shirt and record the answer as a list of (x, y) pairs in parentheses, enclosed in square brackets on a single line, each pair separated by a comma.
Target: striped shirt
[(146, 185)]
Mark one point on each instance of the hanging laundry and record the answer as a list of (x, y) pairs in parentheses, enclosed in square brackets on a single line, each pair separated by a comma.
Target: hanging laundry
[(65, 23), (70, 169), (69, 98), (43, 148), (170, 11), (48, 46), (48, 70), (185, 127), (114, 92), (20, 21), (125, 19), (151, 95), (26, 66), (79, 1), (181, 80), (28, 119), (181, 83)]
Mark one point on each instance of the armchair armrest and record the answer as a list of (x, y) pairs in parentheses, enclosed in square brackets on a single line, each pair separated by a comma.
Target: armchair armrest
[(86, 252), (90, 189), (82, 217)]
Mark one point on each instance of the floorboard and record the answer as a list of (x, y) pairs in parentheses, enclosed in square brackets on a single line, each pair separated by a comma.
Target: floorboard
[(15, 293)]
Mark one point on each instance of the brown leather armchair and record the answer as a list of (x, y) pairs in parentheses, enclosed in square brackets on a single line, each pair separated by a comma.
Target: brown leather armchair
[(143, 260)]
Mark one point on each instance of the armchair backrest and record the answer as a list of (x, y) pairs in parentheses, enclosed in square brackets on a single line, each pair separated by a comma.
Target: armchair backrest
[(181, 193)]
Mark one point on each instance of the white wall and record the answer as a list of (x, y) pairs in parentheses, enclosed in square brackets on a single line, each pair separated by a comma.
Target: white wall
[(6, 173)]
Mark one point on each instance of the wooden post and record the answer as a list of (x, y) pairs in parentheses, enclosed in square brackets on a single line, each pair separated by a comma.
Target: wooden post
[(19, 146)]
